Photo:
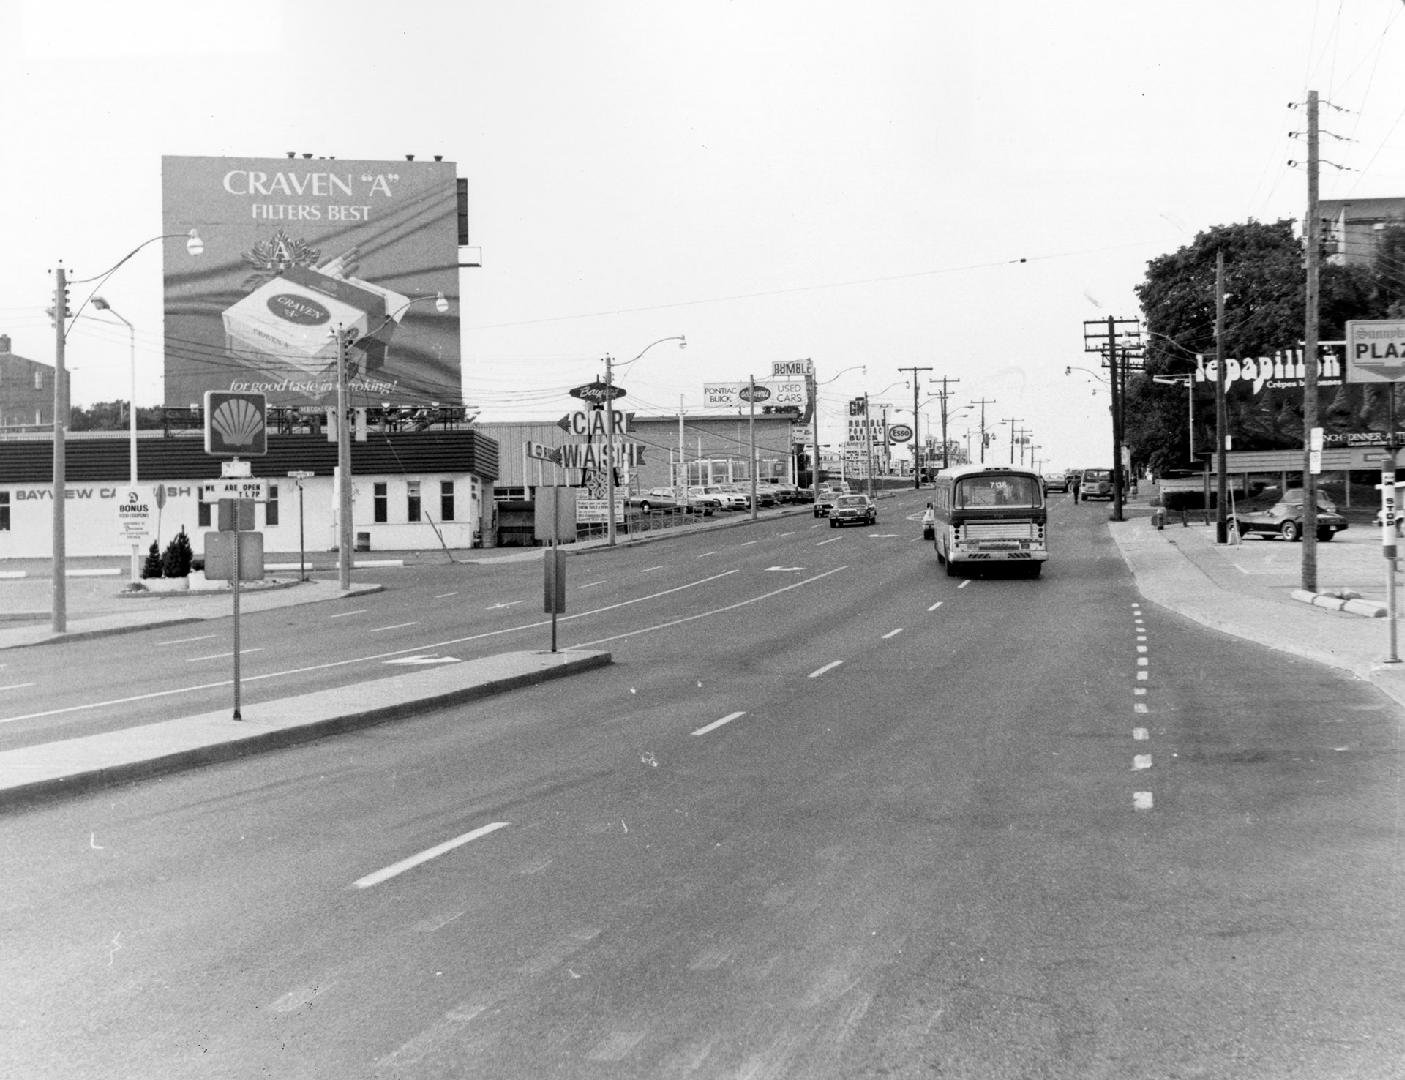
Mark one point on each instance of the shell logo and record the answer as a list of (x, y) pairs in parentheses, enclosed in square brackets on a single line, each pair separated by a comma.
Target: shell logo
[(235, 424)]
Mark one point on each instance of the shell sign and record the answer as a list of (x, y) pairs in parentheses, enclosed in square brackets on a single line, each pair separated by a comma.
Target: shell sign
[(235, 423)]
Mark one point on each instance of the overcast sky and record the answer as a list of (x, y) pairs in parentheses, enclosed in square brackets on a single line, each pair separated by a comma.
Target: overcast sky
[(875, 186)]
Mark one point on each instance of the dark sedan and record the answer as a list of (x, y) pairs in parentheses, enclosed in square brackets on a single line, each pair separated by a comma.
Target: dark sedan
[(1282, 515)]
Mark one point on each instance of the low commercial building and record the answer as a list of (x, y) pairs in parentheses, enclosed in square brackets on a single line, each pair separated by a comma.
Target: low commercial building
[(411, 490)]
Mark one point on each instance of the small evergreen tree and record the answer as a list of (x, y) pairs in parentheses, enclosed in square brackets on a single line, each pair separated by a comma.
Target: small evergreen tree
[(152, 567), (175, 563)]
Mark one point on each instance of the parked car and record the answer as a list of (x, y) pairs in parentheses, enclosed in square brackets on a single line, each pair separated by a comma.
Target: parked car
[(765, 495), (1054, 481), (1275, 514), (785, 493), (1095, 484), (691, 503), (853, 510), (731, 499), (652, 502)]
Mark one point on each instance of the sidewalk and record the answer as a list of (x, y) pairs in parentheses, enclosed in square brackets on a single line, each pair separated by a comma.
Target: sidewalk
[(1250, 590)]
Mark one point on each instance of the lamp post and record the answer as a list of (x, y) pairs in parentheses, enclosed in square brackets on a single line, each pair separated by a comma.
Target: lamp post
[(682, 340), (344, 339), (63, 317), (102, 305)]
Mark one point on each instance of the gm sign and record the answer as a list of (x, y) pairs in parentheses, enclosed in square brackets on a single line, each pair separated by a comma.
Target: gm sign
[(235, 424)]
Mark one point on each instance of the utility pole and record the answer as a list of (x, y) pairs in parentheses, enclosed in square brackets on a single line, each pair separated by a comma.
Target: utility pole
[(344, 339), (983, 402), (610, 449), (1311, 237), (60, 572), (916, 432), (1100, 336), (1221, 410), (1012, 421), (945, 393), (868, 442)]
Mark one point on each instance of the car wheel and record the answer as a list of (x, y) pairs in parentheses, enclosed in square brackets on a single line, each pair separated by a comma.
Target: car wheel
[(1326, 534), (817, 511), (644, 506), (1290, 531), (834, 523), (950, 567)]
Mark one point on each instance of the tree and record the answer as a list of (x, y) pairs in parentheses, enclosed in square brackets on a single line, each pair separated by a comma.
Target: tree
[(1264, 313), (175, 563)]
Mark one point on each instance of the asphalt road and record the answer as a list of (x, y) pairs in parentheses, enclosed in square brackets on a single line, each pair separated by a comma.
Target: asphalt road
[(830, 814)]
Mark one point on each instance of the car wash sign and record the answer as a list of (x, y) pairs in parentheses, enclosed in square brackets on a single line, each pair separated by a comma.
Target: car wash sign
[(1375, 350)]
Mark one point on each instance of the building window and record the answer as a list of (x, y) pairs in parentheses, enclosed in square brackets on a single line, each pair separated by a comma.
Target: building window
[(4, 511), (202, 514), (381, 503), (38, 378), (412, 500), (270, 509), (446, 500)]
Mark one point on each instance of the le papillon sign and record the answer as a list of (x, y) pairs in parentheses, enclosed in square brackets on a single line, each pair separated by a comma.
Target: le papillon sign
[(236, 423)]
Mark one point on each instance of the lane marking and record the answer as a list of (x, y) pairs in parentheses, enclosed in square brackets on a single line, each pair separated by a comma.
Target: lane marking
[(831, 540), (705, 554), (718, 723), (395, 869), (748, 543), (964, 583), (16, 686), (651, 569), (221, 655), (186, 640), (705, 614), (1140, 734), (392, 626), (506, 604), (935, 606), (1141, 707), (344, 614), (892, 633), (358, 661), (588, 585), (445, 595), (1141, 761), (828, 667), (1142, 800)]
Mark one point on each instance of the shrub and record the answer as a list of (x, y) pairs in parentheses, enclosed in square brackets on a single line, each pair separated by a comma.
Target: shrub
[(175, 563), (152, 567)]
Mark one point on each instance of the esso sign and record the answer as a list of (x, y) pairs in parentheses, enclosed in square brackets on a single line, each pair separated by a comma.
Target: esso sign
[(899, 433)]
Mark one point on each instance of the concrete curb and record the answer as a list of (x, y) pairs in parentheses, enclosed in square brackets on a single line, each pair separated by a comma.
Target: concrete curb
[(1354, 605), (48, 771)]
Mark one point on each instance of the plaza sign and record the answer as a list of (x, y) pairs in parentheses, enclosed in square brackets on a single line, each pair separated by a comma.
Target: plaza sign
[(1375, 351)]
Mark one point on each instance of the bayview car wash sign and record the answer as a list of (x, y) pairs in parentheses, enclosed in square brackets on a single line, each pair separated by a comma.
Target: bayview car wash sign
[(1375, 350), (296, 249)]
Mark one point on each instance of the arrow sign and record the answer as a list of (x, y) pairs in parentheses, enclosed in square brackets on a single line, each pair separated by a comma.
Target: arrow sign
[(425, 659)]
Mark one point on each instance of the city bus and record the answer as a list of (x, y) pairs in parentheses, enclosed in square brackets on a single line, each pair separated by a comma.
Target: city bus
[(989, 515)]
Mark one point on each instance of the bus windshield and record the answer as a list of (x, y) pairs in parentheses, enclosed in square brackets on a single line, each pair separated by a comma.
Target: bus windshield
[(973, 491)]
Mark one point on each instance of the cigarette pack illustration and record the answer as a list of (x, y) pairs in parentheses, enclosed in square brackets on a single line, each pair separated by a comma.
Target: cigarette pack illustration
[(290, 321)]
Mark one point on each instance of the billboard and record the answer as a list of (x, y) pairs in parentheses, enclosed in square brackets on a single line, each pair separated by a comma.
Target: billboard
[(773, 392), (298, 250)]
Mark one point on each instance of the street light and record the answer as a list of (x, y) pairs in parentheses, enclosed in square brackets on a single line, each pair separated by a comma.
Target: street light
[(63, 318), (102, 305), (682, 340), (815, 416), (345, 338)]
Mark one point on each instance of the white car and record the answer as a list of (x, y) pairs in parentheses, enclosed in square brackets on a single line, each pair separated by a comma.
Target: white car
[(731, 499)]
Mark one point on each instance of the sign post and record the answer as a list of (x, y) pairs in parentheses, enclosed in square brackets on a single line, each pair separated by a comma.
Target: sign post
[(1375, 352), (299, 475)]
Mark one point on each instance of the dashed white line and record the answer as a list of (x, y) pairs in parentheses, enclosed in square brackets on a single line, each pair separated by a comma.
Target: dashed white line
[(1141, 761), (892, 633), (589, 585), (1140, 734), (831, 540), (718, 723), (964, 583), (186, 640), (651, 569), (445, 595), (935, 606), (344, 614), (392, 626), (16, 686), (413, 861), (221, 655), (828, 667), (705, 554), (748, 543)]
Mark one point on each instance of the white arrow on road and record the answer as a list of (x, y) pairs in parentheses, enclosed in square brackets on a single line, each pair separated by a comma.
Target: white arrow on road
[(498, 607), (425, 659)]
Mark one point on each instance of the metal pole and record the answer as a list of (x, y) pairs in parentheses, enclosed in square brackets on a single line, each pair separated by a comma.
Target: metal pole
[(1388, 547), (1312, 241), (234, 589), (60, 569), (868, 439), (610, 448), (751, 435), (1221, 411), (302, 544), (343, 465), (815, 417)]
